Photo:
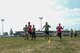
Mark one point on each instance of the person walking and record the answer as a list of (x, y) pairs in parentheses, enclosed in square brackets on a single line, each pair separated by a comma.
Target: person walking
[(33, 33), (75, 33), (25, 32), (71, 32)]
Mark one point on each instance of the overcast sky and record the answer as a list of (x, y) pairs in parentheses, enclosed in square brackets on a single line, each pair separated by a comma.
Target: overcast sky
[(18, 12)]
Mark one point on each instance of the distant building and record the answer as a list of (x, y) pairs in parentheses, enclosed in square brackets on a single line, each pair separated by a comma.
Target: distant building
[(19, 33), (38, 33), (65, 33), (41, 33)]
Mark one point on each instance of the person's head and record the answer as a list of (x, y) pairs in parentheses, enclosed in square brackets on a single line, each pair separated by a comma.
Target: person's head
[(46, 23), (33, 25), (29, 23), (59, 24), (26, 25)]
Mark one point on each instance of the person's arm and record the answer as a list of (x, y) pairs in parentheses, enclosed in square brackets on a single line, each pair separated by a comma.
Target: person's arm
[(43, 27), (35, 29), (63, 27), (57, 27), (49, 26), (24, 28)]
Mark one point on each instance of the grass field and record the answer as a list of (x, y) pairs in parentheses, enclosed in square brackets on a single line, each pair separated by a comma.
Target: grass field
[(41, 45)]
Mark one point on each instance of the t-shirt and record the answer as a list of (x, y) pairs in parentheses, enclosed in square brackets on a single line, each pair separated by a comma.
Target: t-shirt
[(25, 29), (29, 28), (33, 29), (46, 27), (59, 29)]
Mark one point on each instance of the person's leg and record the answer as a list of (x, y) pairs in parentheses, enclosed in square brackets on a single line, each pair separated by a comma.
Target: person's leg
[(25, 36), (48, 35), (60, 36), (32, 35), (71, 34), (75, 34), (45, 35), (28, 35)]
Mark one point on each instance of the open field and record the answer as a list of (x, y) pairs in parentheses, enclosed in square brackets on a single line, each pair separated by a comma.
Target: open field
[(41, 45)]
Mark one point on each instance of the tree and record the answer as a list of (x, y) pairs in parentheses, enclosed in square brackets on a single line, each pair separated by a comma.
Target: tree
[(5, 34), (11, 32)]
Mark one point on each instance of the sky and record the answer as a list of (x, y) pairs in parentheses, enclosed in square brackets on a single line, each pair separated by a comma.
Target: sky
[(18, 12)]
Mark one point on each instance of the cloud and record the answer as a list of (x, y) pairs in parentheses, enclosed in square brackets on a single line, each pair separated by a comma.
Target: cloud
[(69, 3), (18, 12)]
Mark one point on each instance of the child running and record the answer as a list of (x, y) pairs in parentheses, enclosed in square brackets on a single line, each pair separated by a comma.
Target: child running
[(29, 29), (46, 26), (59, 30)]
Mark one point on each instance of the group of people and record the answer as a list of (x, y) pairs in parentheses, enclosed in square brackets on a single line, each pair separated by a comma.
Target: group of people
[(73, 33), (30, 31)]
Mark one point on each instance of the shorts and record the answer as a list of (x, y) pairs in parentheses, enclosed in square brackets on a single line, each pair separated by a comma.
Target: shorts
[(33, 33), (59, 34), (29, 32)]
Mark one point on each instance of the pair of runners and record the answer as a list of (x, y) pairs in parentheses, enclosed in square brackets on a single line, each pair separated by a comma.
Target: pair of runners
[(29, 31), (59, 30)]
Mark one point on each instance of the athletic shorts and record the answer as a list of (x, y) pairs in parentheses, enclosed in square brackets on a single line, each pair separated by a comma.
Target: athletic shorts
[(59, 34), (29, 32)]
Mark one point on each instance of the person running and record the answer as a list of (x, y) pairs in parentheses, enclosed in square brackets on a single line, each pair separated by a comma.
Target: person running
[(29, 29), (75, 33), (59, 30), (25, 32), (71, 32), (46, 26), (33, 33)]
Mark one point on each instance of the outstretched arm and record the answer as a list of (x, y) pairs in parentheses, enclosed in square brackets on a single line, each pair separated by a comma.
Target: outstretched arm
[(63, 27), (49, 26), (43, 28)]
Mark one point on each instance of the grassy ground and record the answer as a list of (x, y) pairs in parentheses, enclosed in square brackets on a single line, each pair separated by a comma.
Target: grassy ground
[(41, 45)]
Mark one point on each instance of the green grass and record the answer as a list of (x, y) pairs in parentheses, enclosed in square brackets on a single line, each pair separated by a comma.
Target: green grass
[(19, 45)]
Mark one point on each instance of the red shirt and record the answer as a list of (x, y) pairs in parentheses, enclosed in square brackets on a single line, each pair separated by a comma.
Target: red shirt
[(29, 28), (59, 29)]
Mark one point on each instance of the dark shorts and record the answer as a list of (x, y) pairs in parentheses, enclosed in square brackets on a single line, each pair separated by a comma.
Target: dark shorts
[(59, 34), (47, 32), (33, 33), (30, 32)]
